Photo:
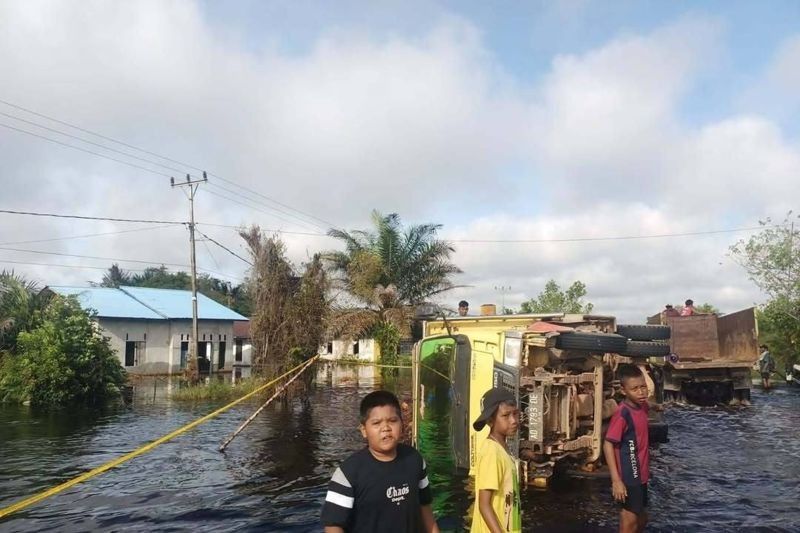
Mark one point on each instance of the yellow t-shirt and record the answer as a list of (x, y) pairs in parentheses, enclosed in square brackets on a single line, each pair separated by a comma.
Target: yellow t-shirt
[(497, 472)]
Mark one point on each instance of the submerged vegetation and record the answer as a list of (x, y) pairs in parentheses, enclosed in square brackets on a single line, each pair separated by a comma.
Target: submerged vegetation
[(218, 390)]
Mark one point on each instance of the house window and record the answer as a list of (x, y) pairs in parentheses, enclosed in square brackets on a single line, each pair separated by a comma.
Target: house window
[(221, 356), (134, 352), (184, 352), (330, 348), (355, 348), (237, 350)]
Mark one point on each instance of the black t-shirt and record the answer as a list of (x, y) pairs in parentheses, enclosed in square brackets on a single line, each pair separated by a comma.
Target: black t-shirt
[(367, 495)]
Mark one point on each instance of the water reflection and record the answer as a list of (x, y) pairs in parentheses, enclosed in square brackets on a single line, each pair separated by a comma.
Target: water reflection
[(724, 469)]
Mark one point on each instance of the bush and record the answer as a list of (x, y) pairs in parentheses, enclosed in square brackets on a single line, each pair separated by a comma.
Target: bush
[(62, 361)]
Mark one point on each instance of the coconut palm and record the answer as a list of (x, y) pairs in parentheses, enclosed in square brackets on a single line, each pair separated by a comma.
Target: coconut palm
[(413, 260), (20, 305), (388, 270)]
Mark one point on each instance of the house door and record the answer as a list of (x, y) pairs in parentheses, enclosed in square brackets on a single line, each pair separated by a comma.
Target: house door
[(130, 353), (221, 355)]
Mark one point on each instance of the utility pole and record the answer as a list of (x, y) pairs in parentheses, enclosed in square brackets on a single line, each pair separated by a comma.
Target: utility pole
[(192, 185), (502, 290)]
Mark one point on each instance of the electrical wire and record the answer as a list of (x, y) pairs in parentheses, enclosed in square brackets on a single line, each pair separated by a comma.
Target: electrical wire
[(224, 248), (117, 259), (613, 238), (134, 165), (82, 217), (86, 235), (122, 143)]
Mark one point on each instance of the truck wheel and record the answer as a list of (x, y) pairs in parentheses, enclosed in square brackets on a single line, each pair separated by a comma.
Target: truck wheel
[(592, 341), (642, 332), (646, 349)]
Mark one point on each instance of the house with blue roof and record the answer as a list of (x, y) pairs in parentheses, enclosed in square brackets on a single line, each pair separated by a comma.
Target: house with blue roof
[(150, 329)]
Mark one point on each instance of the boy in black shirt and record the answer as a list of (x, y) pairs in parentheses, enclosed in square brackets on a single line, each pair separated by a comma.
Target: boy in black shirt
[(383, 487)]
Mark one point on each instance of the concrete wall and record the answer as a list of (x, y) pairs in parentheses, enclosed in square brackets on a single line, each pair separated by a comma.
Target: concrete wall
[(367, 350), (162, 342)]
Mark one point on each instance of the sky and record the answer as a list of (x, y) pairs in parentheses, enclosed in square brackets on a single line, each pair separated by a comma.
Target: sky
[(544, 122)]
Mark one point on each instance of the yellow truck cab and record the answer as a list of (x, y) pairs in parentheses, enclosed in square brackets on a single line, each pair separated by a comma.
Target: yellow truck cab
[(559, 366)]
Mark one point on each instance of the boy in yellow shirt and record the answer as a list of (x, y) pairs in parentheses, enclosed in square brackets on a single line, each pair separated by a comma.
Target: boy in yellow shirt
[(497, 507)]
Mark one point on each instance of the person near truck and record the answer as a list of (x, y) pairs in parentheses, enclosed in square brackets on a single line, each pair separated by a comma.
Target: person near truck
[(626, 449), (463, 308), (670, 311), (688, 308), (766, 365)]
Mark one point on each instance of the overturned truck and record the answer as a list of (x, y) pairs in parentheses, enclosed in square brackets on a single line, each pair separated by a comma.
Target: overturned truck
[(712, 357), (560, 367)]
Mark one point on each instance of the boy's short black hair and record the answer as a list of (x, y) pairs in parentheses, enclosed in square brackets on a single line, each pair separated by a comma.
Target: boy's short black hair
[(765, 346), (689, 302), (378, 398), (626, 372), (463, 303)]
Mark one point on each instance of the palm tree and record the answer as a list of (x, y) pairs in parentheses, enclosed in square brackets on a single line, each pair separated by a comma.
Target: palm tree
[(20, 305), (388, 270)]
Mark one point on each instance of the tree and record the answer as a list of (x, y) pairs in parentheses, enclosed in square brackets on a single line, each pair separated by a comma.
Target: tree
[(771, 259), (553, 300), (707, 309), (21, 304), (62, 361), (414, 261), (116, 277), (289, 311), (388, 270)]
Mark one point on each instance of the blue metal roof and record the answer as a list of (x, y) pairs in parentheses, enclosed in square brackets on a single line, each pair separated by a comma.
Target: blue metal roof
[(145, 303)]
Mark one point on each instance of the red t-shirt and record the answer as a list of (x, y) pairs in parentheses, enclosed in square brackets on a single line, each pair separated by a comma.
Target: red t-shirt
[(628, 430)]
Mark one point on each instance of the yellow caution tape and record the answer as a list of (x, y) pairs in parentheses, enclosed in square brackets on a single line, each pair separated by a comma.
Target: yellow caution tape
[(27, 502)]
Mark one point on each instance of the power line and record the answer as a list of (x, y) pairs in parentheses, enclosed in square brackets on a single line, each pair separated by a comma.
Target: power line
[(86, 235), (81, 217), (134, 165), (111, 139), (248, 206), (13, 262), (614, 238), (103, 146), (225, 248), (300, 220), (117, 259), (237, 228)]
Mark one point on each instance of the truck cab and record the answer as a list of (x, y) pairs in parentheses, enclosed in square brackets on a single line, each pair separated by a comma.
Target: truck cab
[(558, 366)]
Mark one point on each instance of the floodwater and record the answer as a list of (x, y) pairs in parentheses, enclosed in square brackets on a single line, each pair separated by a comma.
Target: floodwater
[(723, 470)]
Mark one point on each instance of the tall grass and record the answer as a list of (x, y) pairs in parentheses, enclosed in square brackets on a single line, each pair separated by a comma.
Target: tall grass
[(217, 390)]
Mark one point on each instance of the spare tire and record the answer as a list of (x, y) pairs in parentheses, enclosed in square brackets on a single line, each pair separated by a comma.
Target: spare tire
[(644, 332), (646, 349), (592, 341)]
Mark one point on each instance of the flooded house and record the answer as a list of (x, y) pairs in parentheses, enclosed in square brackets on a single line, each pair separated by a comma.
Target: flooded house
[(150, 329)]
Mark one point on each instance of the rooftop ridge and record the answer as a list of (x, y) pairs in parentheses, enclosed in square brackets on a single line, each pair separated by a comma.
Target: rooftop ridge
[(156, 311)]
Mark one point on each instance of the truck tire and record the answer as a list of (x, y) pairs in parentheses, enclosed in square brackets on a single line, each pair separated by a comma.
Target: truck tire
[(642, 332), (646, 349), (592, 341)]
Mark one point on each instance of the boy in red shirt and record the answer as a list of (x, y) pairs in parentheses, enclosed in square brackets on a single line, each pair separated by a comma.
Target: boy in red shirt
[(627, 453)]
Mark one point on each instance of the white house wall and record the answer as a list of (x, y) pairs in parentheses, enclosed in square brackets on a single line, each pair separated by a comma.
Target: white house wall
[(162, 340), (345, 349)]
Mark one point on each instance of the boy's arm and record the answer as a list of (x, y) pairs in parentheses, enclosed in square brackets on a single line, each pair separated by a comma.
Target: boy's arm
[(333, 529), (487, 512), (617, 486), (428, 521)]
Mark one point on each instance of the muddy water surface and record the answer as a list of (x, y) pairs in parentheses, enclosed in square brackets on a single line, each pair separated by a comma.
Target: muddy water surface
[(723, 470)]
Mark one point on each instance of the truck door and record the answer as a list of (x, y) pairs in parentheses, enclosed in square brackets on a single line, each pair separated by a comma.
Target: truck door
[(442, 419)]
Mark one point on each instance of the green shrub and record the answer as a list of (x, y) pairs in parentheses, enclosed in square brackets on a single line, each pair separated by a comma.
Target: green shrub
[(61, 361)]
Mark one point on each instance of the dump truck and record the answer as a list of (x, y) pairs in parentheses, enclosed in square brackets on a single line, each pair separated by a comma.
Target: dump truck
[(712, 357), (560, 367)]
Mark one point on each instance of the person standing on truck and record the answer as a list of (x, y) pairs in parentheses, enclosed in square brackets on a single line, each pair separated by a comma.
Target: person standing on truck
[(688, 308), (670, 311), (626, 449), (463, 308), (766, 365), (497, 504)]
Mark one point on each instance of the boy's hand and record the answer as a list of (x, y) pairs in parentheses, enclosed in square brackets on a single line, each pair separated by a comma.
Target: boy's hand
[(618, 490)]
